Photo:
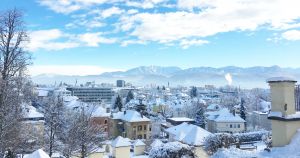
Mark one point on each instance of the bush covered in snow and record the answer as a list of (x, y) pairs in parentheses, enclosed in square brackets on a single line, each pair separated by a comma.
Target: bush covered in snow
[(216, 141), (250, 136), (224, 140), (171, 150)]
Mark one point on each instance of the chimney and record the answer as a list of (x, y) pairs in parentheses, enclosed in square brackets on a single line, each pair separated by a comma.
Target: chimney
[(124, 112), (282, 95)]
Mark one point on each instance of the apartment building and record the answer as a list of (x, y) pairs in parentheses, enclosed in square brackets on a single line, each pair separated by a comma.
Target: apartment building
[(92, 94)]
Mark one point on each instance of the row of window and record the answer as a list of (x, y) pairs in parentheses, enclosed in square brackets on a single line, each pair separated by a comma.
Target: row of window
[(234, 126)]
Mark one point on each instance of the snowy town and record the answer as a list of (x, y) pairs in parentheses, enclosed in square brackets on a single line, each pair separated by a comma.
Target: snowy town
[(149, 79)]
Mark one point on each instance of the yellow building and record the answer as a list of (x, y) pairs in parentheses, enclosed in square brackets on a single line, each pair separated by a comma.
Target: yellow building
[(284, 118), (130, 124), (139, 147), (121, 148)]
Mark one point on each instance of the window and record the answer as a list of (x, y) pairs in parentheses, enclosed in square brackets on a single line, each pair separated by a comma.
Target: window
[(140, 137), (149, 128), (140, 128), (145, 136), (105, 129), (230, 125), (234, 126), (239, 126), (145, 127), (105, 121)]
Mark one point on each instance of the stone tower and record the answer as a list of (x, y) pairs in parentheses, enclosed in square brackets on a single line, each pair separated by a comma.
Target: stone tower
[(284, 118)]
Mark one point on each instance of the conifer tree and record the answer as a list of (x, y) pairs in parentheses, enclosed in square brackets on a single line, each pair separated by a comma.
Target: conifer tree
[(129, 96), (118, 103)]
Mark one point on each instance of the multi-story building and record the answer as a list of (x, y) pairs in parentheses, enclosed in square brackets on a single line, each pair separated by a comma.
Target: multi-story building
[(130, 124), (120, 83), (224, 121), (92, 94)]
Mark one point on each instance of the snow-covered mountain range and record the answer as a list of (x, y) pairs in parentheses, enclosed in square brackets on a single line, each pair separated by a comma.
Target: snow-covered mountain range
[(199, 76)]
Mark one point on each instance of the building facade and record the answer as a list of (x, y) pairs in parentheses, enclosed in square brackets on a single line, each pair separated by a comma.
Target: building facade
[(92, 94)]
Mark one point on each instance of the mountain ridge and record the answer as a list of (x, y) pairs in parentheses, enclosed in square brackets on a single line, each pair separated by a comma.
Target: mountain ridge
[(144, 75)]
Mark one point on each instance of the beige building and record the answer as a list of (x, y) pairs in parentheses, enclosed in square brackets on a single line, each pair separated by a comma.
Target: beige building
[(99, 153), (121, 148), (284, 118), (191, 135), (139, 147), (130, 124), (224, 121)]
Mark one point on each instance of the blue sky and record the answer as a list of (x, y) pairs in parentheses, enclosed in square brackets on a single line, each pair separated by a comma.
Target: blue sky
[(79, 37)]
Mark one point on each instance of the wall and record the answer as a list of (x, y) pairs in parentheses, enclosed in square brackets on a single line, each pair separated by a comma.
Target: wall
[(139, 150), (121, 152), (283, 131), (96, 155), (225, 127)]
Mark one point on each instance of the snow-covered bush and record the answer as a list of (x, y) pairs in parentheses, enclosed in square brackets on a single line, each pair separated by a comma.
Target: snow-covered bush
[(250, 136), (224, 140), (171, 150), (216, 141)]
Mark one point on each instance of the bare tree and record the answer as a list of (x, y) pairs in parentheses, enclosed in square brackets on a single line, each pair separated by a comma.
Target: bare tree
[(13, 62), (54, 112), (83, 135)]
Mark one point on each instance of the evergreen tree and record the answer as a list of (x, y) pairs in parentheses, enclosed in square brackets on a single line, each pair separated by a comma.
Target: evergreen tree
[(118, 103), (163, 88), (158, 88), (129, 96), (200, 118), (193, 92), (243, 113)]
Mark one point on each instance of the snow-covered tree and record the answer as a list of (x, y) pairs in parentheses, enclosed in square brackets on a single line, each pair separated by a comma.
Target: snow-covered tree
[(129, 96), (54, 112), (118, 103), (13, 62), (243, 110), (193, 92), (200, 117), (83, 135)]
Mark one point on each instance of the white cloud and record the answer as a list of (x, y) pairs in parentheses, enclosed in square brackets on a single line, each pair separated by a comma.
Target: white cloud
[(47, 39), (291, 35), (68, 6), (129, 42), (189, 4), (111, 11), (216, 16), (194, 42), (69, 70), (94, 39), (54, 39), (145, 4)]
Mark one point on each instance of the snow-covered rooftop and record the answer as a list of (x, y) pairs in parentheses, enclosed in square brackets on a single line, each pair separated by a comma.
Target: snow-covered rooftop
[(31, 112), (120, 142), (188, 133), (139, 143), (224, 115), (281, 79), (100, 112), (130, 116), (37, 154), (181, 119)]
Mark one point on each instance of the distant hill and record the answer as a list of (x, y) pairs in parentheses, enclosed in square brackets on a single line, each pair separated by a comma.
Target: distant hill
[(199, 76)]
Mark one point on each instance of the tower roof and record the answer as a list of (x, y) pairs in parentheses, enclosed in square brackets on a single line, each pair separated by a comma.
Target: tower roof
[(281, 79)]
